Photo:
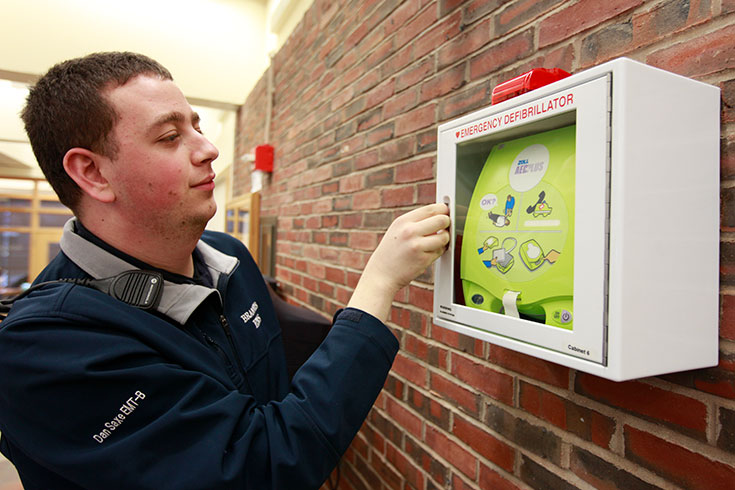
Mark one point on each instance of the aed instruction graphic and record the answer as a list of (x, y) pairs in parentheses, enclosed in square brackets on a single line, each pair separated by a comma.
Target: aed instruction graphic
[(517, 253)]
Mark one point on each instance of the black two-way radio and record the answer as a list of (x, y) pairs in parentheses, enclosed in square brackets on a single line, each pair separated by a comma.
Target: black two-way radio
[(139, 288)]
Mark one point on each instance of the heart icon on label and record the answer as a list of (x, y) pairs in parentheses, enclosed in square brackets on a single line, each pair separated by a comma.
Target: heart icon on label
[(457, 134)]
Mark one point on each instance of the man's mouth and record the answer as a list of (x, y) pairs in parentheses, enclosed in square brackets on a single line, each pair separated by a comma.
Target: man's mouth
[(206, 184)]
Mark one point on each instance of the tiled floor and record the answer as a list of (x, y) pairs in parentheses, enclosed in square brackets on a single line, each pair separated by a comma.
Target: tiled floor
[(8, 476)]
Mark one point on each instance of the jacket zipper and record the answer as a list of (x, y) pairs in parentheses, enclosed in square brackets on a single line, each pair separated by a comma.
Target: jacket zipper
[(235, 374), (228, 332)]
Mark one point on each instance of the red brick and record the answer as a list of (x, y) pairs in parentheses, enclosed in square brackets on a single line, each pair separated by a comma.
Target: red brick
[(443, 83), (380, 93), (369, 199), (488, 446), (727, 90), (727, 209), (495, 384), (416, 346), (414, 171), (676, 463), (401, 103), (582, 421), (446, 6), (456, 455), (366, 160), (435, 468), (465, 44), (384, 428), (463, 102), (548, 372), (438, 35), (421, 298), (449, 390), (353, 220), (326, 289), (426, 141), (391, 479), (367, 82), (490, 478), (396, 150), (675, 410), (727, 262), (608, 42), (403, 417), (543, 404), (411, 30), (335, 275), (369, 120), (520, 13), (414, 74), (405, 467), (477, 9), (410, 370), (585, 14), (341, 98), (717, 381), (416, 119), (380, 54), (668, 18), (363, 240), (378, 135), (499, 55), (702, 55), (397, 62), (602, 474), (396, 197), (350, 183), (399, 17), (727, 318), (316, 270), (456, 340), (429, 408)]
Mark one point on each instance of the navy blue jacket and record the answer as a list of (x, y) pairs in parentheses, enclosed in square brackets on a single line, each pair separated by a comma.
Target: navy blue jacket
[(97, 394)]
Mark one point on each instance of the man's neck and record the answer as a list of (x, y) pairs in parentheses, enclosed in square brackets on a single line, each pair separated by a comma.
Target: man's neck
[(167, 251)]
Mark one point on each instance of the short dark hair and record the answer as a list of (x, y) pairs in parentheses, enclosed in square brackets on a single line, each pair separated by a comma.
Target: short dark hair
[(66, 109)]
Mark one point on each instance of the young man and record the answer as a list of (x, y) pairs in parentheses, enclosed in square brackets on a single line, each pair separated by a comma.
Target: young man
[(98, 394)]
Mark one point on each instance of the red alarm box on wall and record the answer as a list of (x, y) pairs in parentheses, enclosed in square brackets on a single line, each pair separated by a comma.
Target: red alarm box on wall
[(264, 158)]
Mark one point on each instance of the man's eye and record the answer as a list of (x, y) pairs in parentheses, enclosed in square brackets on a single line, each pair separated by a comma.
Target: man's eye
[(170, 138), (198, 130)]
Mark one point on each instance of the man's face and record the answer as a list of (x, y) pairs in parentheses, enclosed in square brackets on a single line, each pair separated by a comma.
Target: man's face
[(162, 172)]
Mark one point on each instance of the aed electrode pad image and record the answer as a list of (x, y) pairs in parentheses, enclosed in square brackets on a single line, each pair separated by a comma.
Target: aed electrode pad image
[(575, 209), (517, 254)]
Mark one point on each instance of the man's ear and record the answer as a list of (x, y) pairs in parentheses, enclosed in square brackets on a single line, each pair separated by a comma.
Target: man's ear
[(83, 166)]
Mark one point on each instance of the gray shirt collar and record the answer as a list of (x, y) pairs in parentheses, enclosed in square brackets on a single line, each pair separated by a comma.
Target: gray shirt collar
[(178, 301)]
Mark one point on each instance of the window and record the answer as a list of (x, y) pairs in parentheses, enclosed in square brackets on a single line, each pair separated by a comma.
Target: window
[(31, 223)]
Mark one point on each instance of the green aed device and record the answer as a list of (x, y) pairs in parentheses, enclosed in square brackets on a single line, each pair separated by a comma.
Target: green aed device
[(517, 255)]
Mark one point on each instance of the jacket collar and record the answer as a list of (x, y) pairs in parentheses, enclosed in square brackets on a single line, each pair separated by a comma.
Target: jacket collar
[(178, 301)]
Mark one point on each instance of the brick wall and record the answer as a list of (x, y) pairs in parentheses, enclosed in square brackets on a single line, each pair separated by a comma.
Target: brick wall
[(359, 90)]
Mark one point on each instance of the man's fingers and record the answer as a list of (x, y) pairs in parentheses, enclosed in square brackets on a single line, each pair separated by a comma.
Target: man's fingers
[(432, 224), (435, 242), (420, 214)]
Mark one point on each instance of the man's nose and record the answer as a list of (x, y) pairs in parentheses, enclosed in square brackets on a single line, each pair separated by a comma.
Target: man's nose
[(205, 151)]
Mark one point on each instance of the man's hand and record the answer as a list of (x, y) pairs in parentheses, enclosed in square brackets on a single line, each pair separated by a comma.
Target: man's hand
[(410, 245)]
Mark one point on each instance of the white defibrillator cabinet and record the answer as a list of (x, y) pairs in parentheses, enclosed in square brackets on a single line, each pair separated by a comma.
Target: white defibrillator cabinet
[(585, 222)]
